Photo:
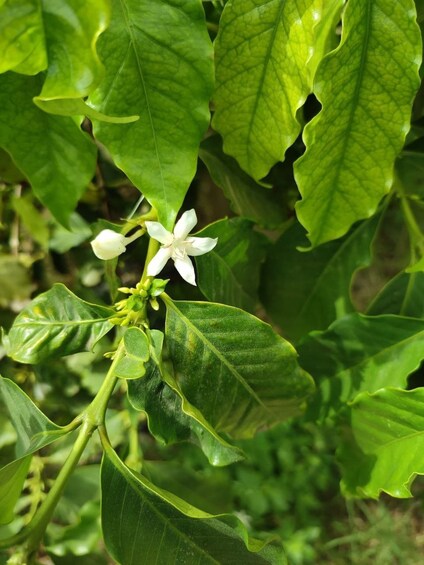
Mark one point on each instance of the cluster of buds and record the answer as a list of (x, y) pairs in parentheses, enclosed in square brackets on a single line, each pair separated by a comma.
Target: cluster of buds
[(131, 310)]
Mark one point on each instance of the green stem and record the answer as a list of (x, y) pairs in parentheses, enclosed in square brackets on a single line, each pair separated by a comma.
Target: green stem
[(151, 252)]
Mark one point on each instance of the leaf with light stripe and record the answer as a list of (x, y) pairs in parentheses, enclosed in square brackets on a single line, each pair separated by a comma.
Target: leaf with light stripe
[(140, 519), (385, 448), (159, 66), (360, 353), (366, 88), (262, 76), (233, 367), (54, 324)]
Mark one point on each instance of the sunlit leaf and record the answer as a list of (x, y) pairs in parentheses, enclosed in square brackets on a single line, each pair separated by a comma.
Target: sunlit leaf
[(307, 291), (385, 449), (258, 93), (247, 198), (351, 144), (34, 431), (360, 353), (46, 148), (22, 41), (233, 367), (54, 324), (159, 66), (230, 272), (139, 518)]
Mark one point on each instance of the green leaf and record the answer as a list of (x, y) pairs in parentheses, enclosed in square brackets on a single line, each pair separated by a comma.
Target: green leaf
[(247, 198), (403, 295), (15, 281), (44, 147), (233, 367), (410, 170), (75, 107), (139, 518), (230, 272), (34, 431), (132, 364), (31, 218), (360, 353), (385, 450), (159, 66), (366, 87), (257, 93), (171, 417), (54, 324), (307, 291), (22, 42)]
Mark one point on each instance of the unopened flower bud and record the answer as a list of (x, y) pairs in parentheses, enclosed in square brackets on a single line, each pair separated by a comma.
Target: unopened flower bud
[(108, 244)]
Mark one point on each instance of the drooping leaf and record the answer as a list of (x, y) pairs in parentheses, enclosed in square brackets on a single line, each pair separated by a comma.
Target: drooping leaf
[(247, 198), (307, 291), (22, 41), (366, 87), (360, 353), (159, 66), (171, 418), (385, 449), (46, 148), (403, 295), (54, 324), (230, 272), (34, 431), (139, 518), (233, 367), (257, 92), (132, 364)]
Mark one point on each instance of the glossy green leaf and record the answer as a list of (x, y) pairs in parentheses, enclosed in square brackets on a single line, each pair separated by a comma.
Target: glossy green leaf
[(385, 449), (22, 41), (132, 364), (233, 367), (159, 66), (230, 272), (54, 324), (360, 353), (44, 147), (171, 417), (403, 295), (247, 198), (307, 291), (257, 92), (366, 88), (34, 431), (139, 518)]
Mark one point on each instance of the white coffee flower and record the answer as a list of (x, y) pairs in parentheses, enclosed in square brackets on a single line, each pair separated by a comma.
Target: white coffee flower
[(109, 244), (178, 246)]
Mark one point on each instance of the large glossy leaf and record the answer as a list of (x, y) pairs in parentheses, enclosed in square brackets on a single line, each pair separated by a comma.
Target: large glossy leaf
[(366, 88), (139, 518), (307, 291), (54, 324), (71, 29), (46, 148), (230, 272), (385, 448), (262, 76), (403, 295), (233, 367), (171, 418), (247, 198), (22, 42), (360, 353), (159, 66), (34, 431)]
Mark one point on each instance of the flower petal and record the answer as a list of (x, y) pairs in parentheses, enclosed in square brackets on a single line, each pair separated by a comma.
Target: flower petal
[(158, 232), (108, 244), (185, 224), (199, 245), (185, 267), (159, 261)]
